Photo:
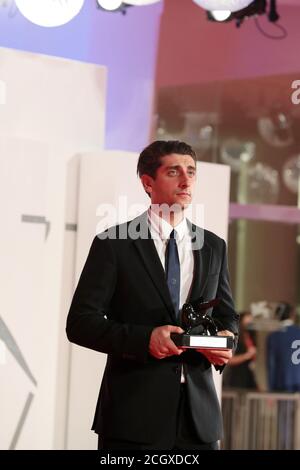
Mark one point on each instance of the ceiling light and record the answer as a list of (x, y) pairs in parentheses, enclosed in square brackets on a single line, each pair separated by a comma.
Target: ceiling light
[(256, 7), (141, 2), (231, 5), (49, 13), (221, 15), (110, 5), (216, 10)]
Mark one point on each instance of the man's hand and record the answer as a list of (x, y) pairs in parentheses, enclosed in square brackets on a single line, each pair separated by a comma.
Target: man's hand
[(218, 356), (161, 345)]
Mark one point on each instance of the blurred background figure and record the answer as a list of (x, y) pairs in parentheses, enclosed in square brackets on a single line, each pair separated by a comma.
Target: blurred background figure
[(283, 372), (239, 371)]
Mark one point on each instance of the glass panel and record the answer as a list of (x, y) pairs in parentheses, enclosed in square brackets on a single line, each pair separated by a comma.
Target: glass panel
[(263, 262), (249, 124)]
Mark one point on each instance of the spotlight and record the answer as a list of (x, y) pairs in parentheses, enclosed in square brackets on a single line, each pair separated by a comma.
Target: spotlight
[(217, 5), (111, 5), (49, 13), (256, 7), (141, 3), (221, 15), (119, 5), (217, 10)]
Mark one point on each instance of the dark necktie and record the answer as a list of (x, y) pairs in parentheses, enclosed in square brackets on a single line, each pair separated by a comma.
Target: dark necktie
[(173, 270)]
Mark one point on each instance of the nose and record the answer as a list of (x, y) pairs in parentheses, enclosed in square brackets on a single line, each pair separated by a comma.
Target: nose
[(184, 180)]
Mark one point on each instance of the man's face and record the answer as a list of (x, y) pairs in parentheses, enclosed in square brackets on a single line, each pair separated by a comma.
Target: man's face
[(174, 181)]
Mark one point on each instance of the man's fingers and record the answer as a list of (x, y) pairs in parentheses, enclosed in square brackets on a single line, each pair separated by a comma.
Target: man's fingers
[(217, 353), (171, 345), (164, 351), (161, 345), (173, 348), (217, 357), (175, 329), (225, 333), (226, 354)]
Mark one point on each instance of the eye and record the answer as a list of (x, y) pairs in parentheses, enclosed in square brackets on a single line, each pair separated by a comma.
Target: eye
[(172, 172)]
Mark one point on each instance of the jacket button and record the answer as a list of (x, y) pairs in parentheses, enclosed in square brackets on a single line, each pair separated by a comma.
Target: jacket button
[(176, 369)]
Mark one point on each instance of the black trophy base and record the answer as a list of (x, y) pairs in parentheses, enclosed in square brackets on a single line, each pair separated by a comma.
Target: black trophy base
[(201, 341)]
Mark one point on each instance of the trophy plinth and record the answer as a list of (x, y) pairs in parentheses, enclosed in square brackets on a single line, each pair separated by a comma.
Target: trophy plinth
[(200, 329)]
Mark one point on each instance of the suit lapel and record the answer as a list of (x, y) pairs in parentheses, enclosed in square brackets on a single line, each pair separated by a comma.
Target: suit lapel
[(202, 260), (148, 253)]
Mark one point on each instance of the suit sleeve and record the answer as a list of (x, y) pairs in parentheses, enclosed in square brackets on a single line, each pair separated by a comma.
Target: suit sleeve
[(88, 322), (225, 312)]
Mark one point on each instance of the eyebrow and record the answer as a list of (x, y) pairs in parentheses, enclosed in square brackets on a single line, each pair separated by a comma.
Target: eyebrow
[(176, 167)]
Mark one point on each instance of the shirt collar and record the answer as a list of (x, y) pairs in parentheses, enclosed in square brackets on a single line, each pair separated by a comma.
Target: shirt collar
[(162, 229)]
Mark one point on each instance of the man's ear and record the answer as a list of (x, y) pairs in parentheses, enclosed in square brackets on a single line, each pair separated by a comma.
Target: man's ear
[(147, 182)]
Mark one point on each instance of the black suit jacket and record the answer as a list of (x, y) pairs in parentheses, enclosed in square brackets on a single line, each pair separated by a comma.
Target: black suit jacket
[(122, 295)]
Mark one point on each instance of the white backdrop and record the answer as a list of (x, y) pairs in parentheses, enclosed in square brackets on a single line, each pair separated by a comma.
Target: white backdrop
[(109, 178), (50, 109)]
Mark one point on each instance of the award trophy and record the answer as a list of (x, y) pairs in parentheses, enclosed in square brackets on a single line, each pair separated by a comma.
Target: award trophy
[(200, 329)]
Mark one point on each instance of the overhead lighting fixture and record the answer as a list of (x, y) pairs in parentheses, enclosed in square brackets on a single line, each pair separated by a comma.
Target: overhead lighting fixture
[(221, 15), (238, 10), (49, 13), (141, 3), (110, 5), (217, 10), (217, 5), (119, 5), (256, 7)]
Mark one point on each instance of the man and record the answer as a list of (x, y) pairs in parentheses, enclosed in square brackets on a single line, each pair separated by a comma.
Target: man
[(136, 278), (282, 362)]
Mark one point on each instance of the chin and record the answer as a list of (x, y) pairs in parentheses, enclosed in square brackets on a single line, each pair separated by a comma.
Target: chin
[(184, 202), (181, 205)]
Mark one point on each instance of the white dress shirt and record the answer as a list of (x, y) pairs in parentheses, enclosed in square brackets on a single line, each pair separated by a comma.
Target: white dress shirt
[(160, 232)]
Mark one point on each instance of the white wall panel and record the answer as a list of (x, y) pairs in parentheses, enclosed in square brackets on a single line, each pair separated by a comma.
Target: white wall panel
[(53, 100), (22, 251), (51, 110)]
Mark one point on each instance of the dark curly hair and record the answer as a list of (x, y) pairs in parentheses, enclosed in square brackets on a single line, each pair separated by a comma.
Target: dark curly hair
[(150, 158)]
